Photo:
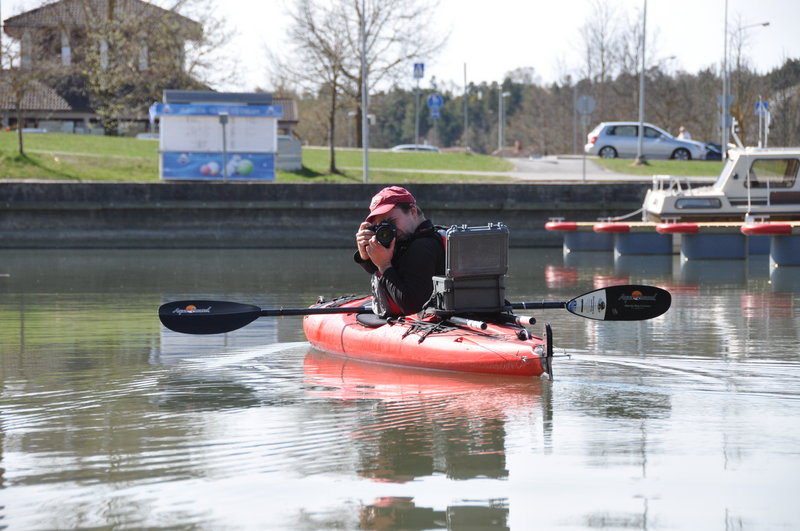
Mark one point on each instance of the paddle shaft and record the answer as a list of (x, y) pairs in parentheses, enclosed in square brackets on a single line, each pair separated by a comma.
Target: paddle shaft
[(538, 305), (286, 312)]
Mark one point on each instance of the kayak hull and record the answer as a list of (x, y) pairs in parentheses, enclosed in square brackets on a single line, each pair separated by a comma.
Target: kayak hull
[(410, 343)]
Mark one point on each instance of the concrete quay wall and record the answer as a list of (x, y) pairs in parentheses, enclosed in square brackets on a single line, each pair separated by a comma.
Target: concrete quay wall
[(273, 215)]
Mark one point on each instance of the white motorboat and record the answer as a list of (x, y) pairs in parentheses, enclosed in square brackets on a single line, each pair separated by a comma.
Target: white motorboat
[(755, 184)]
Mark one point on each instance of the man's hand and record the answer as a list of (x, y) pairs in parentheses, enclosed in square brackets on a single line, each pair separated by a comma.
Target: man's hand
[(363, 236), (381, 256)]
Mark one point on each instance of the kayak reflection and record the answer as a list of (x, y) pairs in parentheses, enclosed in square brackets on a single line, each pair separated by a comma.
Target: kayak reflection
[(414, 423), (402, 513)]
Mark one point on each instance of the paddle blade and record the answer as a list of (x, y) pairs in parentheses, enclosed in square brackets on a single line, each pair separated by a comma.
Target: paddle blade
[(206, 317), (621, 303)]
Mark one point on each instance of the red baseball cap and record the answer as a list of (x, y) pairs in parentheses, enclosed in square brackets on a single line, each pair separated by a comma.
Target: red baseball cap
[(386, 199)]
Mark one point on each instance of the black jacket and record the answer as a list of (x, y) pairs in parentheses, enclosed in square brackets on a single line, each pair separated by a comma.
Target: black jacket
[(416, 259)]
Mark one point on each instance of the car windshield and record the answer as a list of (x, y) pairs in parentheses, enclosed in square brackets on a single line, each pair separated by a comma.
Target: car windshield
[(649, 132)]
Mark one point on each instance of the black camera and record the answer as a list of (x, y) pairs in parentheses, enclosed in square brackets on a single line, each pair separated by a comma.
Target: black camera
[(385, 232)]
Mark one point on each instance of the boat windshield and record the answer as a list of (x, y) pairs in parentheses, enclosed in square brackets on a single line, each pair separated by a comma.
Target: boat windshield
[(773, 173)]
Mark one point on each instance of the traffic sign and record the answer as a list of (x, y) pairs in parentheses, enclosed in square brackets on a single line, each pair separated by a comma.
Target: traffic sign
[(419, 70), (762, 108), (728, 100), (585, 105), (435, 101), (435, 113)]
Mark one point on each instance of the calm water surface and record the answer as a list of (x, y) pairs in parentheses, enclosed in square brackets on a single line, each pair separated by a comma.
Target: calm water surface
[(688, 421)]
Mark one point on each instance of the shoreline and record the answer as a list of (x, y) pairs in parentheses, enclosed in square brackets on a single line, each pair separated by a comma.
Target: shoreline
[(48, 214)]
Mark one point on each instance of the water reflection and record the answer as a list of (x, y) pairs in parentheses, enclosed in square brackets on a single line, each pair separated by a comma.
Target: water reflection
[(422, 423), (785, 278), (403, 513), (109, 420), (713, 271), (647, 266), (589, 259)]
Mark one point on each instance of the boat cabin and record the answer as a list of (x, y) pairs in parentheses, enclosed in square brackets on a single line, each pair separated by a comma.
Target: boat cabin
[(755, 184)]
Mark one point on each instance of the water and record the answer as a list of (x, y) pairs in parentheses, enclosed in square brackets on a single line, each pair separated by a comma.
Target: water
[(107, 420)]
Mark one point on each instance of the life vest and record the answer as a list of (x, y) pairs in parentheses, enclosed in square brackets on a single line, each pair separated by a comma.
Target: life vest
[(382, 303)]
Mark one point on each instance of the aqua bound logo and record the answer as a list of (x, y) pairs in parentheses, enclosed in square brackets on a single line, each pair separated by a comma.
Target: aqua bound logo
[(191, 309), (636, 295)]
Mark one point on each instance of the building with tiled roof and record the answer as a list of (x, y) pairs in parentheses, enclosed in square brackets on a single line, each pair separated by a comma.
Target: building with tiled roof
[(58, 35), (37, 98)]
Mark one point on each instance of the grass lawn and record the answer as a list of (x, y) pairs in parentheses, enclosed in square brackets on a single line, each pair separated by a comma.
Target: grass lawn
[(101, 158), (78, 157), (349, 162), (688, 168)]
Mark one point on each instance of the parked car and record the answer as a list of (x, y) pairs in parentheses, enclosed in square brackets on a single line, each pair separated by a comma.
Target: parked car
[(713, 151), (620, 139), (416, 147)]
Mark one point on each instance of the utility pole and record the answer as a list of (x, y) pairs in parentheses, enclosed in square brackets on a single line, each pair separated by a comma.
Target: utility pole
[(639, 155), (416, 114), (725, 131), (466, 97), (501, 133), (364, 95)]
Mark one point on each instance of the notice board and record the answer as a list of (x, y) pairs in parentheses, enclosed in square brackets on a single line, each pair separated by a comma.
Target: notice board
[(217, 142)]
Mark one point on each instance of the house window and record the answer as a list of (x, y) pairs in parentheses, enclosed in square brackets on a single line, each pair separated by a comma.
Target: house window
[(66, 51), (143, 65), (27, 45), (103, 54)]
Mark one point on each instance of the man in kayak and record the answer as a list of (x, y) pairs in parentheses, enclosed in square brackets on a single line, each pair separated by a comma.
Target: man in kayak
[(401, 266)]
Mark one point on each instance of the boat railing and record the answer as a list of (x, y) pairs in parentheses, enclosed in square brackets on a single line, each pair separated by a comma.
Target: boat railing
[(670, 183), (677, 184)]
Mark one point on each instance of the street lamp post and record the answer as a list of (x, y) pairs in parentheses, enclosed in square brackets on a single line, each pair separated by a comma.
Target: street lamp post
[(466, 123), (725, 102), (223, 120), (639, 155), (501, 125), (364, 94)]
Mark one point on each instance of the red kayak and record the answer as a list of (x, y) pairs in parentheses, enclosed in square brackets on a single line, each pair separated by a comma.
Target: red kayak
[(429, 342)]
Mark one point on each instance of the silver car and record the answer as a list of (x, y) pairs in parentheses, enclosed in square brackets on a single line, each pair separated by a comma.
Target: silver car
[(620, 139)]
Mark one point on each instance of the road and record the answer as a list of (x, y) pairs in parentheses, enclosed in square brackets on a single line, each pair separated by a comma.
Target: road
[(566, 168), (562, 168), (555, 169)]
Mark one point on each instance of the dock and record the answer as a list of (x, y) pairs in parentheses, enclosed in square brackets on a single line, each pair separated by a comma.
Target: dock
[(694, 241)]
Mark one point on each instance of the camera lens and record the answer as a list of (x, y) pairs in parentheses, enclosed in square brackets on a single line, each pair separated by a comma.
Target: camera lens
[(384, 233)]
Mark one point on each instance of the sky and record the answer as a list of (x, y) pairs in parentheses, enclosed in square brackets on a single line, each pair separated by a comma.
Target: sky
[(494, 38)]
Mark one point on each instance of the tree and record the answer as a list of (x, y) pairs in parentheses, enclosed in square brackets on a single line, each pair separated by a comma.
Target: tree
[(129, 52), (784, 84), (319, 54), (327, 48), (19, 87), (396, 33), (601, 47)]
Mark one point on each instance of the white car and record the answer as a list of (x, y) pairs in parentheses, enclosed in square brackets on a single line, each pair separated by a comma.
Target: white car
[(620, 139), (416, 147)]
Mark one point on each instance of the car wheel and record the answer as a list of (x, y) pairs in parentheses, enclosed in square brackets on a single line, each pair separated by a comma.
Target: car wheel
[(608, 153), (681, 154)]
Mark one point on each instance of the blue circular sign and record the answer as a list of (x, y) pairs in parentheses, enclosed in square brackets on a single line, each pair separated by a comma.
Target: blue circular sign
[(435, 101)]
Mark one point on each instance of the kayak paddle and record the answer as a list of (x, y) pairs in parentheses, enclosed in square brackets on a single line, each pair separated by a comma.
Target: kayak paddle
[(217, 317), (613, 303)]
